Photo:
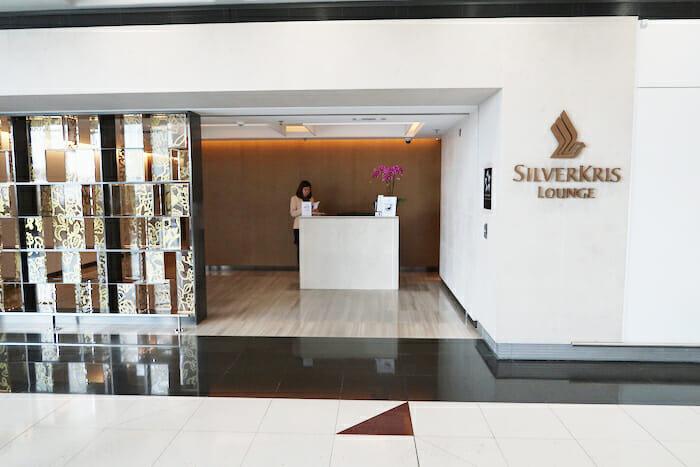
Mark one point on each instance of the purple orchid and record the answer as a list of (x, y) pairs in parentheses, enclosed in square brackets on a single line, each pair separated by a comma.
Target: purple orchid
[(389, 175)]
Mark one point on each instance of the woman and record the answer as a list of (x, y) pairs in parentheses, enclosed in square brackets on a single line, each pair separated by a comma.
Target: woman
[(303, 194)]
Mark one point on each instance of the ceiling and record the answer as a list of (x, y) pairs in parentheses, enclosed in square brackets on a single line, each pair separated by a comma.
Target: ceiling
[(399, 122), (49, 5), (337, 114), (256, 102), (314, 114)]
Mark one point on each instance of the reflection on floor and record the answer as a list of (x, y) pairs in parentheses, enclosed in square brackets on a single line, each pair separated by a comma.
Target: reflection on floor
[(332, 402), (269, 303), (179, 431), (328, 368)]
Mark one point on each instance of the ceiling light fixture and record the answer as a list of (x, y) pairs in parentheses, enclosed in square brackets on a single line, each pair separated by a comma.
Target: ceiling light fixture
[(413, 129), (298, 128)]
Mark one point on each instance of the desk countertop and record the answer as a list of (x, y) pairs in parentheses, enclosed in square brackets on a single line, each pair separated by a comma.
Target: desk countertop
[(348, 217)]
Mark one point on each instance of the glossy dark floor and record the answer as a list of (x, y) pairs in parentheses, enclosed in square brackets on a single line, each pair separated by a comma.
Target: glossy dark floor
[(397, 369)]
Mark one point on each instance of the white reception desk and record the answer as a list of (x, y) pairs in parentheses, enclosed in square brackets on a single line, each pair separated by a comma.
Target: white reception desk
[(349, 252)]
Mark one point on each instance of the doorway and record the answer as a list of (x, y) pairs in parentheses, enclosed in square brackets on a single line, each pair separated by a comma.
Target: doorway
[(252, 166)]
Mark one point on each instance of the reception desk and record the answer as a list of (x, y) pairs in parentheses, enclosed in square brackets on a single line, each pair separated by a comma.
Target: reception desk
[(349, 252)]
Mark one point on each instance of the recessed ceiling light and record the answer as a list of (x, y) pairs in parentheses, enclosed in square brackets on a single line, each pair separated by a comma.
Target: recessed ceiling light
[(296, 129), (413, 129)]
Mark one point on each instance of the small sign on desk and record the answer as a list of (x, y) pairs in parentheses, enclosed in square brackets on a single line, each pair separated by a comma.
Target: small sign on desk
[(306, 209), (386, 206)]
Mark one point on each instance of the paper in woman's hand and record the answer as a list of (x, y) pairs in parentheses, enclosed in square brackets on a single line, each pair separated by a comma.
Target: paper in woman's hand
[(315, 205)]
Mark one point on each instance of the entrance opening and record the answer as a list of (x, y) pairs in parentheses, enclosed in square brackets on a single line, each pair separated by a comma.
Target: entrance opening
[(252, 167)]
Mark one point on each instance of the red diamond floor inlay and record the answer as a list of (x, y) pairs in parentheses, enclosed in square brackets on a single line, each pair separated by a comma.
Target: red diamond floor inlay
[(396, 421)]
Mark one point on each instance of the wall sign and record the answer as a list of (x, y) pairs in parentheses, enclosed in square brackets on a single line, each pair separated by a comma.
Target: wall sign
[(552, 178), (487, 187)]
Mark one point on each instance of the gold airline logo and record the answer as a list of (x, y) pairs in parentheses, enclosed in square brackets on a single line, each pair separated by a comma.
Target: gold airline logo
[(565, 133), (567, 180)]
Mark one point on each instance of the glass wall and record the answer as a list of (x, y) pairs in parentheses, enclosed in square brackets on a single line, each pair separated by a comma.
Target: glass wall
[(96, 214)]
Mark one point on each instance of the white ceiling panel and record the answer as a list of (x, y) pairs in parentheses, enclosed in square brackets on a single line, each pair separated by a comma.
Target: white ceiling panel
[(395, 124), (249, 102)]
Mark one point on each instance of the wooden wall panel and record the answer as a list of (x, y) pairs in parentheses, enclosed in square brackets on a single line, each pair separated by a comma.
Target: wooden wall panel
[(247, 186)]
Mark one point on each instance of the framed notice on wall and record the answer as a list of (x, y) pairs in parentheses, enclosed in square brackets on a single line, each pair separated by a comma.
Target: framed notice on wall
[(487, 187)]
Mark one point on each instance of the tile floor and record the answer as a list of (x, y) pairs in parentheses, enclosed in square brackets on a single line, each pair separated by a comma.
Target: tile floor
[(270, 303), (76, 430)]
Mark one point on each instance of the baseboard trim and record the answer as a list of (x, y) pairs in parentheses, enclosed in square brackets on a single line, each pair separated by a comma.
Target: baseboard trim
[(9, 320), (472, 321), (589, 352), (230, 267), (418, 269)]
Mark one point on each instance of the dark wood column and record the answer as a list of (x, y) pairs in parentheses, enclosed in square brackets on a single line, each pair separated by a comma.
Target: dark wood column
[(108, 141), (197, 217), (26, 200)]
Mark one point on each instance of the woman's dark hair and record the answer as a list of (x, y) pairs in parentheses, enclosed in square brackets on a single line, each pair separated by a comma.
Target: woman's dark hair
[(300, 190)]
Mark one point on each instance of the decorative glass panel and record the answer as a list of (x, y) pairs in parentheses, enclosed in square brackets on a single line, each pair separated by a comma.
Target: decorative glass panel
[(177, 131), (5, 135), (171, 233), (69, 233), (58, 200), (161, 297), (11, 265), (36, 267), (102, 267), (178, 200), (83, 298), (80, 165), (5, 201), (98, 200), (38, 143), (46, 298), (133, 131), (185, 282), (154, 233), (71, 267), (9, 239), (34, 233), (126, 298), (134, 165), (143, 203), (155, 267), (183, 161), (160, 153), (104, 298), (73, 200), (98, 229), (138, 222)]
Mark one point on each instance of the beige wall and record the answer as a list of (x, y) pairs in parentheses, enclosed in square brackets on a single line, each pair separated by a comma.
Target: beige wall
[(247, 186)]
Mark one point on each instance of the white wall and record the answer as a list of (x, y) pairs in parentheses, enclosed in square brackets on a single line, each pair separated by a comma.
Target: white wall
[(662, 300), (561, 263), (459, 219), (466, 257), (559, 266)]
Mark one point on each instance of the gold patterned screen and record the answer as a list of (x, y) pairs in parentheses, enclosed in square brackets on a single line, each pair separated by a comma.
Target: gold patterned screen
[(96, 228)]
